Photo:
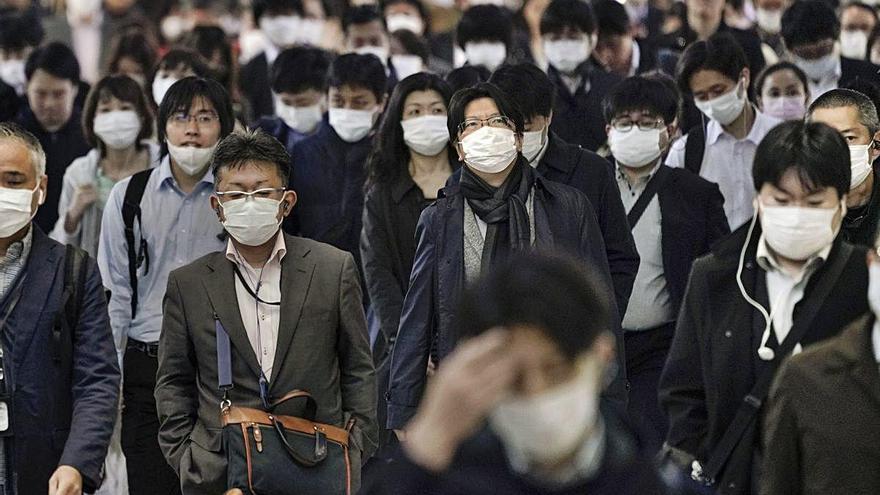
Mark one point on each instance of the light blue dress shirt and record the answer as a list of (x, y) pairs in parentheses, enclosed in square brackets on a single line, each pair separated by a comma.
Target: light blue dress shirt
[(179, 228)]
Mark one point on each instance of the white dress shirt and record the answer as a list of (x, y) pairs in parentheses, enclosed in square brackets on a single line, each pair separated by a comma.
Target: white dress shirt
[(260, 320), (875, 340), (727, 162)]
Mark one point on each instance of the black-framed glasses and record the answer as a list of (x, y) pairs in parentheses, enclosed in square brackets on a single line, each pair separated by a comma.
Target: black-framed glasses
[(626, 125), (497, 121), (266, 192), (202, 118)]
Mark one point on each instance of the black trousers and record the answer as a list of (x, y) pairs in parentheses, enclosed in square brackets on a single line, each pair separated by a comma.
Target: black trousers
[(646, 353), (148, 471)]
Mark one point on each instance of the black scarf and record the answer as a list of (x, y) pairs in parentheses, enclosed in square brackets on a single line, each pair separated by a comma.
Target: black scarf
[(503, 209)]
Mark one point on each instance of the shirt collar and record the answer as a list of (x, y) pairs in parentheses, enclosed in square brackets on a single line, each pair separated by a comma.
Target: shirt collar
[(636, 58), (278, 251), (621, 175), (875, 340), (19, 250), (534, 163), (271, 51), (402, 185), (760, 127), (768, 262), (166, 177)]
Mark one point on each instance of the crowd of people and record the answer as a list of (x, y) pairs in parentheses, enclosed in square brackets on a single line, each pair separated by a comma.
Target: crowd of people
[(439, 247)]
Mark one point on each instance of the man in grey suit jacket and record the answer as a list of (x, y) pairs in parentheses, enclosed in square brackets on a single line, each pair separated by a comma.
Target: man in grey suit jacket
[(314, 340)]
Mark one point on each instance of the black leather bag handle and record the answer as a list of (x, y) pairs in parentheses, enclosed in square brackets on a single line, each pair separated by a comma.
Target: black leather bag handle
[(320, 445)]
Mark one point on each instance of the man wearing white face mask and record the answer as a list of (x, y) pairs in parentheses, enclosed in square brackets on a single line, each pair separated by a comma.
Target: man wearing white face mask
[(768, 23), (500, 206), (857, 22), (855, 117), (777, 285), (366, 34), (721, 149), (484, 34), (270, 293), (154, 222), (20, 34)]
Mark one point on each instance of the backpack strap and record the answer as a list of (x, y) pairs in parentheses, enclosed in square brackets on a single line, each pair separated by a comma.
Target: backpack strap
[(694, 149), (131, 211), (651, 190)]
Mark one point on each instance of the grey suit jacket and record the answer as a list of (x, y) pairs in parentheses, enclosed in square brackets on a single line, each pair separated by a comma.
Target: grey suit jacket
[(322, 348)]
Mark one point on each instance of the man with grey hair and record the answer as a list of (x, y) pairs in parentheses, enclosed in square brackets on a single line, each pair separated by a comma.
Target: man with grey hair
[(291, 308), (855, 117), (59, 378)]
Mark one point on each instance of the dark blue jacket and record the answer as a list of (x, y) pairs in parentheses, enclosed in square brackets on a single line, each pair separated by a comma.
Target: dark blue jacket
[(276, 128), (564, 222), (578, 117), (43, 441)]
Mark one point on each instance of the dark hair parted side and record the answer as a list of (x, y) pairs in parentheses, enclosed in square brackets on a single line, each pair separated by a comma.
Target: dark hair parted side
[(467, 76), (274, 7), (528, 86), (808, 21), (182, 95), (300, 68), (720, 53), (462, 98), (240, 148), (643, 94), (818, 154), (389, 157), (485, 23), (20, 30), (56, 59), (561, 297), (362, 71), (561, 14), (362, 14), (840, 97), (136, 45), (611, 18), (122, 88)]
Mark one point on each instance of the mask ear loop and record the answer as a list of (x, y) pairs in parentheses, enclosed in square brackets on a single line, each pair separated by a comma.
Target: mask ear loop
[(764, 352)]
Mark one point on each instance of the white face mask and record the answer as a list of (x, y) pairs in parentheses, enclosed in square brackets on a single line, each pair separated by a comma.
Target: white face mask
[(725, 108), (251, 221), (546, 428), (532, 143), (635, 148), (426, 135), (411, 23), (567, 55), (817, 69), (874, 288), (118, 129), (301, 119), (796, 232), (489, 149), (311, 31), (190, 159), (351, 125), (485, 53), (15, 209), (161, 85), (407, 65), (785, 107), (12, 73), (860, 161), (769, 20), (381, 52), (83, 8), (281, 30), (854, 44)]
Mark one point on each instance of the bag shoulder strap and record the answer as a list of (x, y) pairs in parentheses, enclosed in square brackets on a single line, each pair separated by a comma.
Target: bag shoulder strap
[(224, 357), (694, 149), (64, 327), (131, 211), (651, 189), (748, 409)]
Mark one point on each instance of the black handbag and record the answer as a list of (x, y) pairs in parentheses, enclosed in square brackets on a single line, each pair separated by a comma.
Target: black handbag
[(270, 454)]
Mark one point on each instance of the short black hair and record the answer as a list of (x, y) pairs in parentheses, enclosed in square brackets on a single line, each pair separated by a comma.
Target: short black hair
[(467, 76), (364, 71), (207, 40), (639, 93), (816, 151), (841, 97), (485, 23), (362, 14), (20, 30), (412, 44), (240, 148), (177, 58), (300, 68), (720, 53), (779, 67), (263, 7), (123, 88), (183, 93), (612, 18), (575, 14), (462, 98), (560, 296), (56, 59), (866, 87), (528, 86), (809, 21)]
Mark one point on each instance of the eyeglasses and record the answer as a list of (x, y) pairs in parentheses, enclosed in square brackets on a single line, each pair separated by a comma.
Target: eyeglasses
[(471, 125), (266, 192), (626, 125), (202, 118)]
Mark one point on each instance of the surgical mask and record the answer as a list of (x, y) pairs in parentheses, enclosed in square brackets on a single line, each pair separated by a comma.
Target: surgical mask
[(12, 73), (251, 221), (281, 30), (854, 44), (426, 135), (83, 8), (190, 159), (546, 428), (118, 129), (725, 108), (407, 65), (15, 209), (161, 85), (489, 149), (351, 125), (769, 20), (817, 69), (636, 147), (381, 52), (411, 23), (533, 142), (490, 54), (860, 161), (796, 232), (311, 31), (567, 55), (874, 288), (785, 107), (301, 119)]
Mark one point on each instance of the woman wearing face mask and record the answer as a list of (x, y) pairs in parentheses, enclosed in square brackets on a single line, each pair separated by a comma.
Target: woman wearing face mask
[(499, 206), (782, 91), (779, 284), (116, 123)]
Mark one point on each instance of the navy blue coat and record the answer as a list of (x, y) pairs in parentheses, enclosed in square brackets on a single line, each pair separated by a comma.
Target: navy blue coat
[(276, 127), (564, 222), (41, 442)]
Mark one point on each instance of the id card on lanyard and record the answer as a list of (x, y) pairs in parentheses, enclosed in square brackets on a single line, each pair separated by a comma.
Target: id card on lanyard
[(10, 301)]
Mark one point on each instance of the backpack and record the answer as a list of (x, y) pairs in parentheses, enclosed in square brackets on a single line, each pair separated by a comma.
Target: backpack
[(131, 211)]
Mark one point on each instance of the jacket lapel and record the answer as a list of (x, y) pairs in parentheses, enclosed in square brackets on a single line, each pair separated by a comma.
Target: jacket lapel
[(296, 277), (42, 272)]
